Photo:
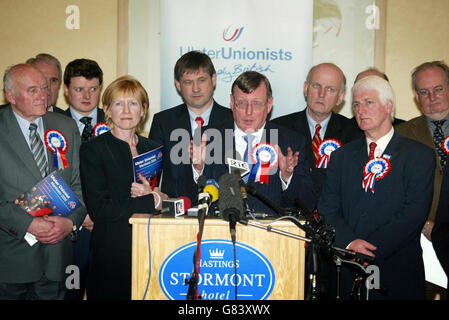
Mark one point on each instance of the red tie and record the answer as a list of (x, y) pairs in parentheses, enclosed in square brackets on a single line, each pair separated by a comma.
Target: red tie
[(199, 122), (372, 147), (316, 141)]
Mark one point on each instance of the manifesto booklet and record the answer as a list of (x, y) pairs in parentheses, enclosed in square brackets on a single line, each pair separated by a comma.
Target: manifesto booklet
[(149, 164), (51, 196)]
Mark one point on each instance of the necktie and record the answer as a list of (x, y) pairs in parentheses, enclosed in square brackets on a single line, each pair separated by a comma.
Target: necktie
[(88, 130), (249, 138), (199, 121), (37, 148), (316, 141), (372, 148), (438, 138)]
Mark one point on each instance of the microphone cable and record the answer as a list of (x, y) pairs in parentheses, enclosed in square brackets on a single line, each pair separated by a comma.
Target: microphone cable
[(149, 257)]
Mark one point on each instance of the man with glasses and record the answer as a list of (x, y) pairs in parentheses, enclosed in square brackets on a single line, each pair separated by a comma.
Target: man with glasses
[(430, 82), (251, 135)]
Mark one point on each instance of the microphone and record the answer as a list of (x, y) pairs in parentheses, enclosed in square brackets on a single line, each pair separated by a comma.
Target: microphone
[(315, 220), (231, 202), (242, 185), (209, 193), (175, 207)]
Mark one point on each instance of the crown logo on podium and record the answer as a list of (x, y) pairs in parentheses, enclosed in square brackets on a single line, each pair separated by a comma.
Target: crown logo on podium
[(216, 254)]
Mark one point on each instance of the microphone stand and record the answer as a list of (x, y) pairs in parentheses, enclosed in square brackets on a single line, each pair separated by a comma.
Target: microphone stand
[(193, 281)]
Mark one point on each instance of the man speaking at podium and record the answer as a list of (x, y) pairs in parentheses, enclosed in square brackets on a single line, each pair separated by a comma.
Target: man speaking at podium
[(378, 193), (275, 155)]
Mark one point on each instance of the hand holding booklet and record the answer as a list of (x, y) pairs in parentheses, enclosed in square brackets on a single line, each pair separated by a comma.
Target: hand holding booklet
[(50, 196), (149, 165)]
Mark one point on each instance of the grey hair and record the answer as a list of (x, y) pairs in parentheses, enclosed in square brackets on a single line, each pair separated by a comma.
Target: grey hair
[(381, 86)]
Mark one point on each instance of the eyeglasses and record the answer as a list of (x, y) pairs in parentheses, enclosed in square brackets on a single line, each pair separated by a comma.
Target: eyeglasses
[(256, 105), (437, 91)]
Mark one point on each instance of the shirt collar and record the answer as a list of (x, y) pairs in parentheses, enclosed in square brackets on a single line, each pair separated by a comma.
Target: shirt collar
[(77, 116), (381, 144), (312, 123)]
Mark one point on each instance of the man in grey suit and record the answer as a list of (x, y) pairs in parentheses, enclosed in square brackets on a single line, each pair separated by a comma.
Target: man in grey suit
[(33, 270)]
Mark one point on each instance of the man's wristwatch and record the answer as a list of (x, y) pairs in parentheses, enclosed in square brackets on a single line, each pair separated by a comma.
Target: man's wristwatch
[(74, 234)]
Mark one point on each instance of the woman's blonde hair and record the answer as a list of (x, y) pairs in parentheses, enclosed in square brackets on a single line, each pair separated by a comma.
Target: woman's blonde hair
[(125, 86)]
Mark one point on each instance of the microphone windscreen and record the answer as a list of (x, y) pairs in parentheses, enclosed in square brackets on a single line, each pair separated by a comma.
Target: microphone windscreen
[(212, 188), (231, 201), (187, 203)]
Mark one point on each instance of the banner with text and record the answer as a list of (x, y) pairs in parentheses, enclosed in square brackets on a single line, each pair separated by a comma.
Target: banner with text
[(269, 36)]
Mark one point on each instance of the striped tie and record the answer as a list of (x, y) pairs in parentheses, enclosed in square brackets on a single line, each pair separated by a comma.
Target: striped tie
[(37, 148), (316, 141)]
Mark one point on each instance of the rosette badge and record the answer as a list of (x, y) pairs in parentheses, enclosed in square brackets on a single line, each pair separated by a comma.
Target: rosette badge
[(57, 144), (100, 128), (373, 171), (325, 149), (265, 158), (446, 145)]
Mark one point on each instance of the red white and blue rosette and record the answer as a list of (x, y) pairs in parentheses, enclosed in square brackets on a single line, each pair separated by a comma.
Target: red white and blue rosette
[(446, 145), (325, 149), (265, 157), (100, 128), (57, 144), (375, 170)]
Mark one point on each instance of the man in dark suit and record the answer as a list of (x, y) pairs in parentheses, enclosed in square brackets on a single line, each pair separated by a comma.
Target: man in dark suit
[(51, 69), (195, 80), (33, 270), (377, 195), (324, 89), (251, 102), (82, 87)]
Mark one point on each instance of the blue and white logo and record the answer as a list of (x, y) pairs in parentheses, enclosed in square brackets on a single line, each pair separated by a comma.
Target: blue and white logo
[(255, 276)]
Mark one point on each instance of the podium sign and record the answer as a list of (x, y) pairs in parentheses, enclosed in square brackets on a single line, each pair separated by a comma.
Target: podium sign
[(217, 278), (269, 266)]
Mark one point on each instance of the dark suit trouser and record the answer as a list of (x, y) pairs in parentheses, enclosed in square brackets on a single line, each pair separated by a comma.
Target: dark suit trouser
[(81, 260), (43, 289)]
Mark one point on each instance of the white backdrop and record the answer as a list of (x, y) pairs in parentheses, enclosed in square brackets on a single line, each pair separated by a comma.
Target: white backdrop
[(273, 37)]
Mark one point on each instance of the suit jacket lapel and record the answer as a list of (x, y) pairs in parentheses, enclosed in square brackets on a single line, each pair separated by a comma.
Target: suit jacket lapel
[(48, 124), (18, 143), (421, 130), (333, 127), (184, 120)]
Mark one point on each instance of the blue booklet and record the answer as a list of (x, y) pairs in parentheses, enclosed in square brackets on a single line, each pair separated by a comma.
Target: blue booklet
[(149, 165), (50, 196)]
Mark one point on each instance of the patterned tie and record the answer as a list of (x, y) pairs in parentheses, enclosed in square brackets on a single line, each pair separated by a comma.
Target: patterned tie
[(249, 138), (199, 121), (316, 141), (372, 148), (88, 131), (37, 148), (438, 138)]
